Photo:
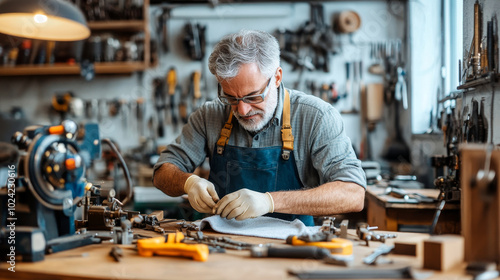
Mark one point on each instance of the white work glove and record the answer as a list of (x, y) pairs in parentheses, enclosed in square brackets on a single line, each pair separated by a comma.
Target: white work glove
[(244, 204), (201, 194)]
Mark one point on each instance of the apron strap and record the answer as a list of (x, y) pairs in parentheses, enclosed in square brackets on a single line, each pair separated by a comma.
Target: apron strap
[(224, 134), (286, 130)]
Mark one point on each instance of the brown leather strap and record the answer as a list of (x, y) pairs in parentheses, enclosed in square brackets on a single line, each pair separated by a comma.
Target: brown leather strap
[(224, 134), (286, 129)]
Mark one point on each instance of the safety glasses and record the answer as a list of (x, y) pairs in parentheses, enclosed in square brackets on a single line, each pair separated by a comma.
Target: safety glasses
[(250, 99)]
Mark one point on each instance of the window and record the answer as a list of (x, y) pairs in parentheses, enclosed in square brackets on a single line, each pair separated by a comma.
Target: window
[(436, 46)]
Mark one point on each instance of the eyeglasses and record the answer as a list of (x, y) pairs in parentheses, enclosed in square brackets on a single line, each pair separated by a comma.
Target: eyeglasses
[(250, 99)]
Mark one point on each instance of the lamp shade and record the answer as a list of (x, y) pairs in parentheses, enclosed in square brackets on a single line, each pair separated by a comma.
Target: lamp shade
[(54, 20)]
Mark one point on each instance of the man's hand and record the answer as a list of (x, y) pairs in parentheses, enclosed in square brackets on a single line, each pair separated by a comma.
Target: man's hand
[(201, 194), (244, 204)]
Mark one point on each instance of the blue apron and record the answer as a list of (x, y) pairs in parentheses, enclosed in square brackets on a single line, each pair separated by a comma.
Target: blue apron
[(259, 169)]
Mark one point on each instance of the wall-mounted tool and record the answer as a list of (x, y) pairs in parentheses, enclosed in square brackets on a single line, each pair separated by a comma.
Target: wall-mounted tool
[(139, 113), (61, 102), (476, 58), (401, 93), (192, 99), (347, 22), (174, 95), (162, 28), (160, 104), (303, 252), (194, 40), (348, 83)]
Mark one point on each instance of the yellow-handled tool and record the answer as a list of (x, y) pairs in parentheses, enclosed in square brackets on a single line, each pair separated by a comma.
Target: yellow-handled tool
[(171, 245), (337, 246)]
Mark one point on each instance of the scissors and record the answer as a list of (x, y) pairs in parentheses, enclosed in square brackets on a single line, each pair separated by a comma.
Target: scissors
[(401, 91)]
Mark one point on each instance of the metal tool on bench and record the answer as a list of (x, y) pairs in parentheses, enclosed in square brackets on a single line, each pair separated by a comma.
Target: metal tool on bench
[(172, 245), (326, 237), (218, 243), (381, 250), (302, 252), (364, 232), (407, 196)]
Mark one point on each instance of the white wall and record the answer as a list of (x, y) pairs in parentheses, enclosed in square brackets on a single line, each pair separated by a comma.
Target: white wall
[(378, 25)]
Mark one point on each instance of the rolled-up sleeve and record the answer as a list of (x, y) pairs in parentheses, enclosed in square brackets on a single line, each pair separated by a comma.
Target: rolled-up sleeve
[(189, 150), (332, 154)]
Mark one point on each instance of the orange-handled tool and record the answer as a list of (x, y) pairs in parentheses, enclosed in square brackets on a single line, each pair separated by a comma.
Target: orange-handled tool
[(337, 246), (171, 245)]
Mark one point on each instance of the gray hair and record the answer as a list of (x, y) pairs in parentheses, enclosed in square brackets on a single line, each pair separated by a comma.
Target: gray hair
[(243, 47)]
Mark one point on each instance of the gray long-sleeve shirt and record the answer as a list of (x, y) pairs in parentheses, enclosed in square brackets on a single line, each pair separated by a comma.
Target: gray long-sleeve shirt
[(323, 152)]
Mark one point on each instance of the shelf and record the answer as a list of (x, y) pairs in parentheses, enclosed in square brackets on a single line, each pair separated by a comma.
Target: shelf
[(479, 81), (65, 69), (117, 25), (102, 67)]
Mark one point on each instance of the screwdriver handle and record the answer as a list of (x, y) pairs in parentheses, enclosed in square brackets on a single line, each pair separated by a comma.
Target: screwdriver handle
[(302, 252)]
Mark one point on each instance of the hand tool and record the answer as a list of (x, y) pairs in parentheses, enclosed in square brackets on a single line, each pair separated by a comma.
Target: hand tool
[(338, 246), (174, 93), (335, 94), (364, 232), (221, 242), (401, 93), (381, 250), (473, 135), (482, 270), (476, 59), (394, 273), (397, 149), (140, 114), (117, 253), (194, 40), (171, 245), (481, 123), (303, 252), (348, 85), (163, 28), (61, 103), (355, 87), (159, 93), (196, 88), (186, 103)]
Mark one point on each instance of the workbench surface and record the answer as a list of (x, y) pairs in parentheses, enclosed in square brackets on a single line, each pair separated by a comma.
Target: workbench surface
[(94, 262)]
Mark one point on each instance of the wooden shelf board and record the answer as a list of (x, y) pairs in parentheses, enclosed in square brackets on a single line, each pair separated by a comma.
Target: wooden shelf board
[(126, 25), (65, 69), (479, 81)]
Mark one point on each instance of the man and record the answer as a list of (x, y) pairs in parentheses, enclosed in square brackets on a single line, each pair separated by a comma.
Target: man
[(272, 150)]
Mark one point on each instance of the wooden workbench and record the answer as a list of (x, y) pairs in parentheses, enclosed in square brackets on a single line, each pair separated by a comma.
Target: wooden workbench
[(388, 212), (93, 262)]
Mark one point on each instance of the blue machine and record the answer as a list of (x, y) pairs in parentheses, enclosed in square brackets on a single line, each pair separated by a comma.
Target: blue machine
[(50, 182)]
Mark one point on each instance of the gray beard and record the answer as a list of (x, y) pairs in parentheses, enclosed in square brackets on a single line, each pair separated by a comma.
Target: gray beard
[(266, 114)]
